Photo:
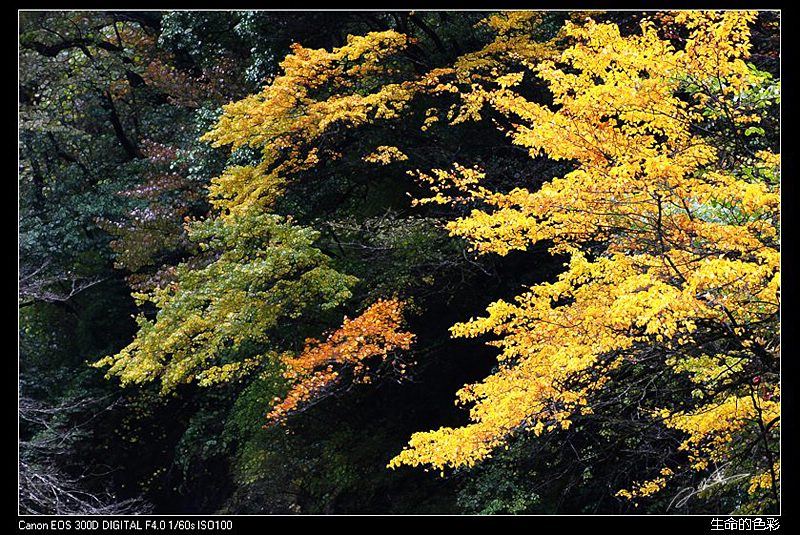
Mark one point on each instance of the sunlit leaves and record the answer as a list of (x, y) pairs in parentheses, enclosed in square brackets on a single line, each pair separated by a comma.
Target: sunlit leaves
[(672, 235), (215, 322), (317, 91), (316, 371)]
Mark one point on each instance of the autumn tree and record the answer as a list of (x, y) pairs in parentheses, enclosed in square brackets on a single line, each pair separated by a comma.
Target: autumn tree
[(670, 219), (225, 314)]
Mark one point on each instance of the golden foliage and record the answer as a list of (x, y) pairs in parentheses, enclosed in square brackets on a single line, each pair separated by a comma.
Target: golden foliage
[(317, 91), (384, 155), (687, 242)]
